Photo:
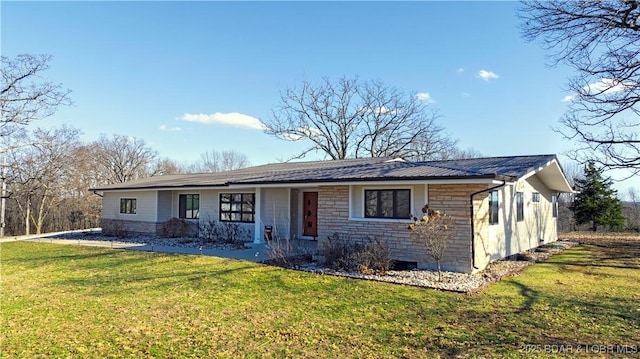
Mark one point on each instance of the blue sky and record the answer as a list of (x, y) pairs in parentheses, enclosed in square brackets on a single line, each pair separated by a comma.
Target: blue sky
[(144, 68)]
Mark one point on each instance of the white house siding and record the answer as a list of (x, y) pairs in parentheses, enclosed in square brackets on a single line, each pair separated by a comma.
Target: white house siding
[(510, 236), (165, 205), (143, 221), (275, 211), (209, 205), (145, 206)]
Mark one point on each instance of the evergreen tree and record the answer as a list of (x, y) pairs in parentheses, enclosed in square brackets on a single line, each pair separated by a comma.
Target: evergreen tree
[(596, 202)]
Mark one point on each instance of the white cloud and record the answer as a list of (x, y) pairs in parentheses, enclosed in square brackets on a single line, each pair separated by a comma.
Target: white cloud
[(609, 86), (487, 75), (425, 96), (169, 129), (229, 119), (604, 86), (465, 94), (460, 70)]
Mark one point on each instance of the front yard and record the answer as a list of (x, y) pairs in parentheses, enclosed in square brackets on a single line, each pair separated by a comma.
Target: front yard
[(67, 301)]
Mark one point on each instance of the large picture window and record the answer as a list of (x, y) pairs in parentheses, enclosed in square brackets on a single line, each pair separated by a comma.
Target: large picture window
[(189, 206), (387, 203), (519, 206), (237, 207), (128, 205), (493, 207)]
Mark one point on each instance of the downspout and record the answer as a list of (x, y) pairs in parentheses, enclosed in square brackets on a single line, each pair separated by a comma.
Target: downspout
[(473, 230), (97, 194)]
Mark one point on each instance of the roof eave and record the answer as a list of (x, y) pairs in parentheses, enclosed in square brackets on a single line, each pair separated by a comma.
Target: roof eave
[(298, 182)]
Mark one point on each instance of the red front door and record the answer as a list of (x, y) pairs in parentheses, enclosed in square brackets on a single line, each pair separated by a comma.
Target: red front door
[(310, 216)]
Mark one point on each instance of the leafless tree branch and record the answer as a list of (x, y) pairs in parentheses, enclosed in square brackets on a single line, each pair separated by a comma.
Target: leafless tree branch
[(601, 41)]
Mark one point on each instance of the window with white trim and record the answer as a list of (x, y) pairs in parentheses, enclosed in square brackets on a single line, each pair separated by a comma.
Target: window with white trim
[(387, 203)]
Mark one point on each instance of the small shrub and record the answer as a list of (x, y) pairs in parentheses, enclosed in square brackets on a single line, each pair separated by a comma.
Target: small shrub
[(286, 253), (117, 229), (369, 256), (207, 230), (339, 254), (231, 233), (173, 228), (375, 257), (223, 232)]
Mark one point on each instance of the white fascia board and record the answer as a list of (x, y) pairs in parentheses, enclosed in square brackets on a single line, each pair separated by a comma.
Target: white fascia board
[(556, 166), (196, 188), (536, 170)]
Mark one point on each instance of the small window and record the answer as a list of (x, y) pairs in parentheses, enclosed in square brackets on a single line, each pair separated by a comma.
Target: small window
[(554, 204), (535, 197), (387, 203), (189, 206), (237, 207), (128, 205), (493, 207), (519, 206)]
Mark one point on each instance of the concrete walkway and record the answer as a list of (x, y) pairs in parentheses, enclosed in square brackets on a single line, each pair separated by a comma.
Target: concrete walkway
[(254, 252)]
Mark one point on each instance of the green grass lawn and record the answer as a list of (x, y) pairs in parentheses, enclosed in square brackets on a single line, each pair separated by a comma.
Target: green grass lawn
[(67, 301)]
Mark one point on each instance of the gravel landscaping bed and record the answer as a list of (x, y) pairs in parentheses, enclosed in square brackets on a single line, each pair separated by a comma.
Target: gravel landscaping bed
[(153, 240), (458, 282)]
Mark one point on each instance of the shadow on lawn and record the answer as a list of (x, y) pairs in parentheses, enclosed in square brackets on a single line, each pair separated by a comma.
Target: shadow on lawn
[(540, 319), (38, 259), (133, 274), (623, 256), (552, 314)]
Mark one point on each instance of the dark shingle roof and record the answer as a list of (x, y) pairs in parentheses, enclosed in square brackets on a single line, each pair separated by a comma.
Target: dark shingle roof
[(368, 169)]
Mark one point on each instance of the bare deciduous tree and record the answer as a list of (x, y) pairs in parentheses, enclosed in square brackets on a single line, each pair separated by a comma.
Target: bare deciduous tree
[(24, 94), (123, 158), (214, 161), (39, 171), (601, 41), (166, 166), (632, 210), (349, 118)]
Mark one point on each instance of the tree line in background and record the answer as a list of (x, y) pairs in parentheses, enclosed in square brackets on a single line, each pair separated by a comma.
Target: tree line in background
[(49, 180), (595, 205)]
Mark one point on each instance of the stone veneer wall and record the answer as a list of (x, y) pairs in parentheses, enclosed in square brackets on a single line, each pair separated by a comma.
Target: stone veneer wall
[(453, 199), (333, 217), (117, 227)]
